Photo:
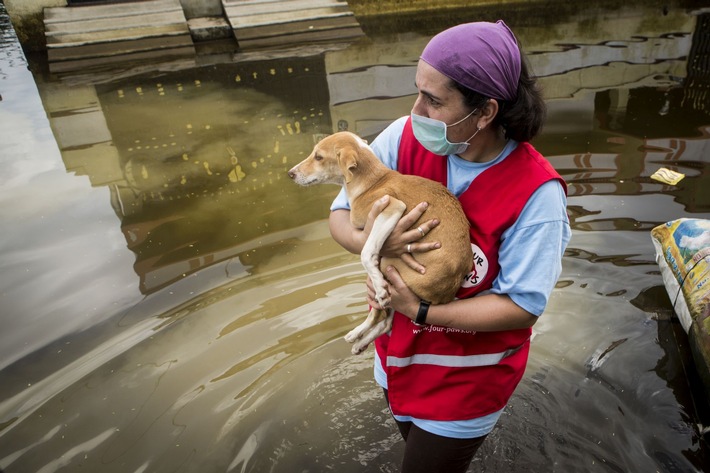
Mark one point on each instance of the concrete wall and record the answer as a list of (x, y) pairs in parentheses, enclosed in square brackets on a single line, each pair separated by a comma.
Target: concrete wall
[(27, 18)]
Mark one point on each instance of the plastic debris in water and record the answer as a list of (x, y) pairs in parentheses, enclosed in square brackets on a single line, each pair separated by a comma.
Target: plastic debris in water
[(667, 176)]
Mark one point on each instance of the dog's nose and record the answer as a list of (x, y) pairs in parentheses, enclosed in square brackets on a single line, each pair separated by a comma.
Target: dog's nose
[(292, 174)]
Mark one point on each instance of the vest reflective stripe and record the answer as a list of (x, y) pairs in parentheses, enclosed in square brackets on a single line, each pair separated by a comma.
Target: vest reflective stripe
[(451, 361)]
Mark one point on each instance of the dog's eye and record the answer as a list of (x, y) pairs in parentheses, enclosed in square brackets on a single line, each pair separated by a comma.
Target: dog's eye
[(318, 157)]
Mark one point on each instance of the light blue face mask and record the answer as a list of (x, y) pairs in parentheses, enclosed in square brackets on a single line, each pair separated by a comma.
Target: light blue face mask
[(431, 134)]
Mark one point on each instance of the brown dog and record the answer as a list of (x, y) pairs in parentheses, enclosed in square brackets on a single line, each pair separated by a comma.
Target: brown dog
[(346, 160)]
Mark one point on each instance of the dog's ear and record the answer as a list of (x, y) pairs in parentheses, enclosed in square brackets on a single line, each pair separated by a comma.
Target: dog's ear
[(347, 160)]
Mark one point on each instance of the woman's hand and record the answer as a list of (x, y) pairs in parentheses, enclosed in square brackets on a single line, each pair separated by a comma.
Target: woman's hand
[(403, 242), (402, 299), (371, 300)]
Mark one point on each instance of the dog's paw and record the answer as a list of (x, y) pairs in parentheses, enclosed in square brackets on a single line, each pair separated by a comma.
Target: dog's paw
[(358, 348), (382, 295), (352, 336), (383, 299)]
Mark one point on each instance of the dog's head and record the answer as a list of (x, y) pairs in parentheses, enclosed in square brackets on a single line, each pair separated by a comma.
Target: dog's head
[(332, 161)]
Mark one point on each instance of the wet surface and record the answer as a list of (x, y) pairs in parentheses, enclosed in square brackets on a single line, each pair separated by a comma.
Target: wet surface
[(172, 302)]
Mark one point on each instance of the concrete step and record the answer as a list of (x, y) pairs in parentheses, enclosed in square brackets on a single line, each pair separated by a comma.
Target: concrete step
[(95, 12), (209, 28), (110, 31), (286, 23)]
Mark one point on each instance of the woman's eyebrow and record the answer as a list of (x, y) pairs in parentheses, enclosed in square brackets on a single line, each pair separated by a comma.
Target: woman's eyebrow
[(428, 94)]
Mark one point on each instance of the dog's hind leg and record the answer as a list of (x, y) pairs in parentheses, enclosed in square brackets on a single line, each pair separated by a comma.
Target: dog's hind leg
[(370, 255), (356, 333), (383, 325)]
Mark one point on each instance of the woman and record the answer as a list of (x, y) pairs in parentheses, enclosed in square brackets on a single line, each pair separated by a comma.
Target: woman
[(448, 370)]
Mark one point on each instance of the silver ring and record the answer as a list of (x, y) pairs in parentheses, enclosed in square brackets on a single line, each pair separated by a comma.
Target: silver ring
[(409, 247), (420, 230)]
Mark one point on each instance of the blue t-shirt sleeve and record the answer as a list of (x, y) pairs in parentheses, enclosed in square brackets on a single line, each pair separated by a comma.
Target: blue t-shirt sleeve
[(530, 254), (386, 147)]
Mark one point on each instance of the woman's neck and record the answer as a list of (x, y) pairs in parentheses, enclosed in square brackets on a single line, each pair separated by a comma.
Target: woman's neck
[(486, 146)]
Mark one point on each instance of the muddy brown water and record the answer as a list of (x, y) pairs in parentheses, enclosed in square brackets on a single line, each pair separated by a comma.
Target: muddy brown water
[(171, 302)]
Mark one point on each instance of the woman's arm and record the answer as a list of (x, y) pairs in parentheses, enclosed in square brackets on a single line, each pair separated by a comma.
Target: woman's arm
[(487, 313), (530, 258), (344, 233)]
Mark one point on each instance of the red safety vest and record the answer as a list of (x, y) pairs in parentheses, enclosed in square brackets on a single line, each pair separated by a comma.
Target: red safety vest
[(439, 373)]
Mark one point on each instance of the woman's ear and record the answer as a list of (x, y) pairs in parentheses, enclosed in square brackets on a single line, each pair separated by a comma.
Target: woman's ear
[(488, 113)]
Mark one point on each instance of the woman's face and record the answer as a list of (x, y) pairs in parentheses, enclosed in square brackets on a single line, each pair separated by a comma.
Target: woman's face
[(440, 100)]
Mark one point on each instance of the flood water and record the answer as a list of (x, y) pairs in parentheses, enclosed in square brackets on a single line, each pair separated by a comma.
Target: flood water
[(171, 302)]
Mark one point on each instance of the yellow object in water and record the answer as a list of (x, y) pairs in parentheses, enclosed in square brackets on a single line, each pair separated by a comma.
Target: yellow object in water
[(236, 174), (667, 176)]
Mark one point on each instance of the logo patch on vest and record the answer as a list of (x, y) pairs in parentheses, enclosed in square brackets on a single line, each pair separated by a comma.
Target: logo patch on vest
[(480, 268)]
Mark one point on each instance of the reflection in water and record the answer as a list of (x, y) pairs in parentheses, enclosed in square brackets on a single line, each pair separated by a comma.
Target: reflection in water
[(224, 351), (209, 140)]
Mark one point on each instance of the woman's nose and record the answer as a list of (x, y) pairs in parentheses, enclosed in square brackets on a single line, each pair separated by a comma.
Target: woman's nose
[(417, 108)]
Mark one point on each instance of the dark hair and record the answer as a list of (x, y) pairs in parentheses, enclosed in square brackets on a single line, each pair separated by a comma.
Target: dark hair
[(521, 119)]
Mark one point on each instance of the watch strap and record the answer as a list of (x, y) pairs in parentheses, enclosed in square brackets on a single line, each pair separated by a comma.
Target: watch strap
[(422, 313)]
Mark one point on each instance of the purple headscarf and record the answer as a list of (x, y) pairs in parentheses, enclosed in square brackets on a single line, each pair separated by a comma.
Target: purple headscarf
[(482, 56)]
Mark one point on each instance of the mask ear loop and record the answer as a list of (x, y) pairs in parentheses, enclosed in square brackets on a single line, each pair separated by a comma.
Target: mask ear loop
[(464, 118), (478, 128)]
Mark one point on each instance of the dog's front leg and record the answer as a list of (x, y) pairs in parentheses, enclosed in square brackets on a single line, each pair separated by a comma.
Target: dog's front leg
[(370, 255)]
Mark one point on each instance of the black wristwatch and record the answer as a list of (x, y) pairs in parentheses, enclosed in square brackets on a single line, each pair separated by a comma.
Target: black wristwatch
[(422, 313)]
